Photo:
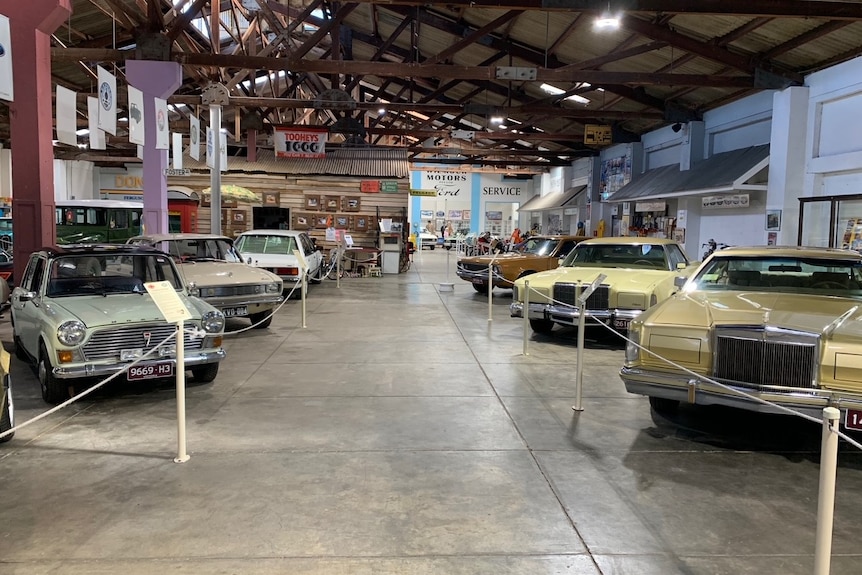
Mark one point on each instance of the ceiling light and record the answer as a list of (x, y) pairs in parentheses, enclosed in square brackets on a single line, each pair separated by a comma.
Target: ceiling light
[(381, 111), (497, 119), (607, 21)]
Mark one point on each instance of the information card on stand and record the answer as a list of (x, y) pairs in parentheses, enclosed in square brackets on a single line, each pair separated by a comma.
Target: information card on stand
[(168, 301)]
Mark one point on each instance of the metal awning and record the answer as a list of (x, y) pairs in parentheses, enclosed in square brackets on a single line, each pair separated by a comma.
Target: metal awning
[(741, 170), (552, 201)]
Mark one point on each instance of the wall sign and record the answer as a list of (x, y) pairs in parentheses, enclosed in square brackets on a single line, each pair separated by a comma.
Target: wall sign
[(300, 142), (732, 201)]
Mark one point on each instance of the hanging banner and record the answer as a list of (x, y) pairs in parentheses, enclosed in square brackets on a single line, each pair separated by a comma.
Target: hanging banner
[(163, 135), (97, 136), (212, 135), (195, 137), (136, 116), (107, 101), (6, 86), (177, 151), (66, 116), (300, 142)]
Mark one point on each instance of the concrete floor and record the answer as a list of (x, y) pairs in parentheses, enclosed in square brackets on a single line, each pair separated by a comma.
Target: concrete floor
[(402, 433)]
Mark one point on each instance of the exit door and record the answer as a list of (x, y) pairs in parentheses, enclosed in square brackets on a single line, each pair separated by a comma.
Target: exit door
[(270, 218)]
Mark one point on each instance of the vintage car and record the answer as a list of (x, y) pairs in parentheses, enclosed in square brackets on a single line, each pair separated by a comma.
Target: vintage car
[(538, 254), (84, 312), (639, 273), (426, 239), (7, 409), (782, 324), (215, 272), (274, 251)]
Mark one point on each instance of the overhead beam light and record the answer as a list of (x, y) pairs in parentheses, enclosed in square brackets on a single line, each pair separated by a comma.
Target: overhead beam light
[(607, 21)]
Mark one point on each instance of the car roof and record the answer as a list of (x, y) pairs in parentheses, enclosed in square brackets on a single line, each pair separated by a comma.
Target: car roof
[(271, 233), (631, 241), (183, 236), (788, 251), (99, 249)]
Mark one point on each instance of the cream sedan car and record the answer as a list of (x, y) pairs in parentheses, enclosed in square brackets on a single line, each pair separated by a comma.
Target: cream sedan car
[(275, 251), (778, 323), (214, 272), (639, 273)]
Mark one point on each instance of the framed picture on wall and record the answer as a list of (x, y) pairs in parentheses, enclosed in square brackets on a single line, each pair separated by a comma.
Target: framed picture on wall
[(773, 220), (342, 222), (238, 216), (321, 221), (312, 202), (303, 221), (330, 203), (350, 203), (360, 223), (271, 199)]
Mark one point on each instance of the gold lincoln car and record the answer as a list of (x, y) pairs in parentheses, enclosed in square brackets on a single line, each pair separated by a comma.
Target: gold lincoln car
[(782, 324), (639, 273)]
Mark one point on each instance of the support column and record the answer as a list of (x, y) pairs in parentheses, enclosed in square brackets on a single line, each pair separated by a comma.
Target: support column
[(787, 159), (155, 80), (32, 124)]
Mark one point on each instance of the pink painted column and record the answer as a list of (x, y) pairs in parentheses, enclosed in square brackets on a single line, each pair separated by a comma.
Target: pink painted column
[(155, 80), (32, 124)]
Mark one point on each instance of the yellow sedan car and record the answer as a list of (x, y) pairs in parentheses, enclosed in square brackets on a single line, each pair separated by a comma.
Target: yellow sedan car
[(782, 324), (639, 272)]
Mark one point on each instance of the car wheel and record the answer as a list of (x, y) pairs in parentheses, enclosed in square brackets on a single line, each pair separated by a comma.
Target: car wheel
[(6, 418), (542, 326), (481, 288), (205, 373), (54, 391), (663, 405), (258, 317)]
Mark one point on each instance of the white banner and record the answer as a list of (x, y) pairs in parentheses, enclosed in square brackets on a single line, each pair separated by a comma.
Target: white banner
[(97, 136), (163, 131), (177, 151), (299, 142), (107, 101), (136, 116), (6, 84), (67, 117), (211, 137), (195, 137)]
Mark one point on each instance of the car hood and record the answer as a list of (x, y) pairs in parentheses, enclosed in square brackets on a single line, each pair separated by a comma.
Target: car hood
[(813, 314), (113, 309), (218, 273), (622, 279), (502, 258)]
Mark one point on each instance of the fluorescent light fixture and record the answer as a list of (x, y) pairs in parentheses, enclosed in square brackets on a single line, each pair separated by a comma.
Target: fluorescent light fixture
[(83, 132), (557, 91), (607, 21), (381, 111), (497, 119)]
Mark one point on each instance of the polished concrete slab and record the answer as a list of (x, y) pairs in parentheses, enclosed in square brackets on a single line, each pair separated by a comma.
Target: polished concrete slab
[(401, 432)]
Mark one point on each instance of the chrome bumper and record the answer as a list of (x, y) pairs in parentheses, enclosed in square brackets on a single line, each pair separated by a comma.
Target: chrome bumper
[(481, 277), (105, 369), (688, 389), (570, 315), (220, 303)]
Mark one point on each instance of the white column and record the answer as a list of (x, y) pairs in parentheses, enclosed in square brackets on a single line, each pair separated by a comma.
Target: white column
[(787, 159)]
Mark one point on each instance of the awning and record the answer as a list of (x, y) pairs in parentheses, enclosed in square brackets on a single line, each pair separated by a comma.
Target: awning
[(737, 171), (551, 201)]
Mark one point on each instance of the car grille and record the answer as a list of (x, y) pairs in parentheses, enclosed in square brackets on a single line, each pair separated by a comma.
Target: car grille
[(227, 291), (473, 267), (762, 358), (107, 343), (567, 293)]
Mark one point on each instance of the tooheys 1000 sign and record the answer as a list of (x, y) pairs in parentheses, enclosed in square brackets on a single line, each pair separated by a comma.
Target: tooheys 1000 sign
[(300, 142)]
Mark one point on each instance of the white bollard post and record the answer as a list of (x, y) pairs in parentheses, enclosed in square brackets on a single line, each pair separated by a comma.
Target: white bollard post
[(303, 293), (579, 371), (338, 255), (491, 290), (526, 313), (826, 497), (182, 456)]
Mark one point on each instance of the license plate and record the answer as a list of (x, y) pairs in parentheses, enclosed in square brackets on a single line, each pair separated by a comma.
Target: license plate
[(853, 419), (478, 281), (235, 311), (621, 324), (150, 371)]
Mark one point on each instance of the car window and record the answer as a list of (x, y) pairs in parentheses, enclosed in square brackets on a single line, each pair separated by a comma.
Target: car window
[(201, 249), (266, 244), (91, 274), (38, 276), (636, 255), (782, 274), (539, 246), (567, 247), (676, 257)]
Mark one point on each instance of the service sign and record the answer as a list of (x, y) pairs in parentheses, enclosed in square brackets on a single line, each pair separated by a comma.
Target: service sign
[(300, 142)]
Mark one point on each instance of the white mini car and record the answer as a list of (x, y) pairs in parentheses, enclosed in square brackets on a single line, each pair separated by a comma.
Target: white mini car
[(274, 250), (426, 239)]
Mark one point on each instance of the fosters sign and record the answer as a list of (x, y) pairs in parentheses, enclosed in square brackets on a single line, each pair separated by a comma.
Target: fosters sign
[(300, 142)]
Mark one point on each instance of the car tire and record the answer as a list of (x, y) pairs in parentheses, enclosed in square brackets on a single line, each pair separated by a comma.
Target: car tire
[(54, 390), (481, 288), (258, 317), (205, 373), (542, 326), (6, 418), (663, 404)]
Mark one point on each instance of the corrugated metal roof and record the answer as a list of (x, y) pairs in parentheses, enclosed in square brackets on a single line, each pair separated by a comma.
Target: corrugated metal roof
[(357, 162), (720, 173)]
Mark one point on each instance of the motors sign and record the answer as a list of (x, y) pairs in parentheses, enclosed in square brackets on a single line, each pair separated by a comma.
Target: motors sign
[(300, 142)]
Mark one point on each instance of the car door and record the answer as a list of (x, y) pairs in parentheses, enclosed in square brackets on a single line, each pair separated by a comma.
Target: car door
[(26, 311), (312, 256)]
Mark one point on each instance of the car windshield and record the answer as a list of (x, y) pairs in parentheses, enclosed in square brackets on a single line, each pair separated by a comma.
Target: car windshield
[(646, 256), (201, 249), (538, 246), (95, 274), (266, 244), (782, 274)]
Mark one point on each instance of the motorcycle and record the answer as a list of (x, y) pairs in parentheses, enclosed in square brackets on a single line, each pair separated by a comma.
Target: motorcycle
[(711, 245)]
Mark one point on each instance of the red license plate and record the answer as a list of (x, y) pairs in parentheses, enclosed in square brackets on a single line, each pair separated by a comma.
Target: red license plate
[(150, 371), (621, 323), (853, 419)]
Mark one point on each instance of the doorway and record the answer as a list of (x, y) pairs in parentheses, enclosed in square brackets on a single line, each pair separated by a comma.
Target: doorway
[(270, 218)]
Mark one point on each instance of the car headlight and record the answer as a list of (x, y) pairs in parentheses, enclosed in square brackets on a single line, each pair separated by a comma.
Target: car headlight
[(273, 288), (71, 332), (632, 350), (213, 321)]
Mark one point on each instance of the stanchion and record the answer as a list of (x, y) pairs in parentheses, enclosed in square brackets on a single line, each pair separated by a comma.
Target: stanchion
[(579, 370), (338, 255), (447, 285), (303, 293), (826, 498), (182, 456), (491, 290), (526, 314)]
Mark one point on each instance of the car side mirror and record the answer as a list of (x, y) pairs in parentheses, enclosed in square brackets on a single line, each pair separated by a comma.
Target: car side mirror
[(679, 281), (27, 296)]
